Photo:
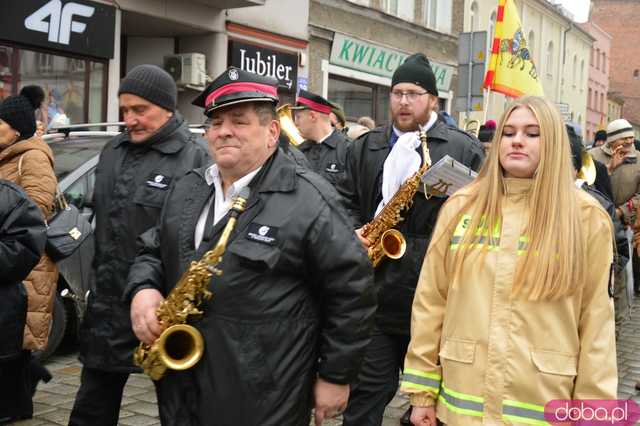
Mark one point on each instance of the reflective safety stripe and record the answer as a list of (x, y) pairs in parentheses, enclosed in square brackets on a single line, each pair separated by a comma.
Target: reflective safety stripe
[(522, 412), (523, 242), (481, 235), (461, 403), (417, 379)]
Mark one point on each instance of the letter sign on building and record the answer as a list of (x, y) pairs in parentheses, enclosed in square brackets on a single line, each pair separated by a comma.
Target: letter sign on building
[(272, 63), (361, 55), (77, 26)]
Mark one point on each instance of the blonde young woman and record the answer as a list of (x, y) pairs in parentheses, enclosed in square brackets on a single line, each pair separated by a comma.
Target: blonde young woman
[(512, 309)]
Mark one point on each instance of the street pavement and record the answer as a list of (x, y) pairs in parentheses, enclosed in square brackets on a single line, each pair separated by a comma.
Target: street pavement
[(53, 401)]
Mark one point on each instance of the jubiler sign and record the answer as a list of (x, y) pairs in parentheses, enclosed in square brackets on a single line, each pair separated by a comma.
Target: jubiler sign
[(360, 55), (259, 60)]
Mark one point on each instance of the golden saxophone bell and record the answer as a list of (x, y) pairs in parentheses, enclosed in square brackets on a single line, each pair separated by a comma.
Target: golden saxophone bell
[(588, 170), (180, 347), (391, 244), (288, 126)]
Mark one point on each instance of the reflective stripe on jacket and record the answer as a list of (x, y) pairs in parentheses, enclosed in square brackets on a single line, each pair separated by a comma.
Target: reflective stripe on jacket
[(484, 357)]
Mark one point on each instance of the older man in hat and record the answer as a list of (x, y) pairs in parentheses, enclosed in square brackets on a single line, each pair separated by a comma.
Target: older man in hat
[(133, 177), (375, 164), (621, 158), (291, 313), (325, 147)]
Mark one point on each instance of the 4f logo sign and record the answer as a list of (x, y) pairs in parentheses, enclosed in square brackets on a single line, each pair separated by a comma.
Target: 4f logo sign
[(61, 23)]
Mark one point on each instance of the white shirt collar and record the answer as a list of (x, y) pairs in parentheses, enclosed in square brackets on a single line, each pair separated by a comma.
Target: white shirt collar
[(212, 176)]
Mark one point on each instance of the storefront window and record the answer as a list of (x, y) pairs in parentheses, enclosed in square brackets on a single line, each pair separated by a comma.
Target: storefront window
[(360, 99), (73, 86)]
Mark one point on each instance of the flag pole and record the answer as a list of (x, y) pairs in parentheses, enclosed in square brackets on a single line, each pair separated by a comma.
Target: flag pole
[(486, 104)]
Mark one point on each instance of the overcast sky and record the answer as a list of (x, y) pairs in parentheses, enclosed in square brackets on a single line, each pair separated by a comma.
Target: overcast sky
[(579, 8)]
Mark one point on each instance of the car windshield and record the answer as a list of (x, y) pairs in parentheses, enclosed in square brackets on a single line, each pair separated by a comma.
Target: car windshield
[(71, 153)]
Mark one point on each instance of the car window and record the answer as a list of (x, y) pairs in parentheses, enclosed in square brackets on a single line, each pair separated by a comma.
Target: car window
[(76, 194), (70, 153)]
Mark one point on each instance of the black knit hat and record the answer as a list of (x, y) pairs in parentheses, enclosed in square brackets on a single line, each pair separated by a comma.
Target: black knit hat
[(19, 113), (416, 69), (153, 84)]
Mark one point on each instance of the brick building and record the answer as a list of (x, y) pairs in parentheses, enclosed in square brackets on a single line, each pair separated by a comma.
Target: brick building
[(624, 60)]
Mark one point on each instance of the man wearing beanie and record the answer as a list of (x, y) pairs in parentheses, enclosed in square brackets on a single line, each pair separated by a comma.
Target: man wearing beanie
[(134, 174), (368, 184), (325, 147)]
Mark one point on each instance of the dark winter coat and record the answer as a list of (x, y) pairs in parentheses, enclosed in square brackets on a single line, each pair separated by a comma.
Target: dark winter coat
[(327, 158), (22, 239), (295, 299), (362, 190), (132, 181)]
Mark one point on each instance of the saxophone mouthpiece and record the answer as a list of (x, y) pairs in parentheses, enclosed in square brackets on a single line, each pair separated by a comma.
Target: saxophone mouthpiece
[(240, 202)]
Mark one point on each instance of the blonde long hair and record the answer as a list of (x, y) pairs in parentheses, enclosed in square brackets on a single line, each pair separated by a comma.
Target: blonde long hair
[(555, 258)]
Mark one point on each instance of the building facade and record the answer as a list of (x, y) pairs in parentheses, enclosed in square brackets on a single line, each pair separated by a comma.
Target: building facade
[(357, 45), (80, 67), (560, 50), (615, 104), (598, 85), (619, 18)]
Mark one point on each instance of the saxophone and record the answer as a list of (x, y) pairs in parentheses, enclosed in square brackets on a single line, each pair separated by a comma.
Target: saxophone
[(180, 346), (386, 241)]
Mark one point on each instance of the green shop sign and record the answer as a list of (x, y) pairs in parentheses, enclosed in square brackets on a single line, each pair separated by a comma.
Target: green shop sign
[(351, 52)]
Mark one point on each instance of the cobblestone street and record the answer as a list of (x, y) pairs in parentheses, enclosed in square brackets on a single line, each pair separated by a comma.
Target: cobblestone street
[(54, 400)]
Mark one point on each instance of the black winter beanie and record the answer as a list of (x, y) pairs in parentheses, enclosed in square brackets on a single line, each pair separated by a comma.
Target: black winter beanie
[(153, 84), (416, 69), (19, 112)]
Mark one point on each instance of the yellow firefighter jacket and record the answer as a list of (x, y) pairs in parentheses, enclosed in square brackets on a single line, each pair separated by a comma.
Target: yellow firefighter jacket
[(484, 357)]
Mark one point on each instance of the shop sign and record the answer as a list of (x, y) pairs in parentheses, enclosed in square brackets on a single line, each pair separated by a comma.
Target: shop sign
[(78, 26), (360, 55), (262, 61)]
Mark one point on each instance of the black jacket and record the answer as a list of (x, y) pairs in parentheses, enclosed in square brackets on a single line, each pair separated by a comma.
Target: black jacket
[(132, 181), (283, 310), (327, 158), (362, 190), (621, 248), (22, 239)]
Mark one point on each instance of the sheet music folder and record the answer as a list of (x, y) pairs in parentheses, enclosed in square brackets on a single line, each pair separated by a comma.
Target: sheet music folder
[(446, 176)]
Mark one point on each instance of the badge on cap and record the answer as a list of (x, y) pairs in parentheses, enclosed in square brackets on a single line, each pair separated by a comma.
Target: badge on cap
[(233, 74)]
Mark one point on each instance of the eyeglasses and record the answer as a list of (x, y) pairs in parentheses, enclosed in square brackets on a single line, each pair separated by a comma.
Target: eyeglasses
[(397, 95)]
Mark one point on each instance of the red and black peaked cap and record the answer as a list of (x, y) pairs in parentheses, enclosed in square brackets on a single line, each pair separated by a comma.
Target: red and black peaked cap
[(308, 100), (235, 86)]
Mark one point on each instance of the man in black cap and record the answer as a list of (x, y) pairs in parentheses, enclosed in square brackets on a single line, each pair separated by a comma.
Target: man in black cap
[(325, 147), (292, 310), (376, 165), (133, 177)]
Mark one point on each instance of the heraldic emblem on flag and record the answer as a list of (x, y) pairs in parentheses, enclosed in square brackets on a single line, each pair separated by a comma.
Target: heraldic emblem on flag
[(511, 68)]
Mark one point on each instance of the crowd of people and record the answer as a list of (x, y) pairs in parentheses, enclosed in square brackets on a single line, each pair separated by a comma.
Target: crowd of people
[(502, 301)]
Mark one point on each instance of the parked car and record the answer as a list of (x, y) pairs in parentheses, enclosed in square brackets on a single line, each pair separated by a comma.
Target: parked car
[(76, 152)]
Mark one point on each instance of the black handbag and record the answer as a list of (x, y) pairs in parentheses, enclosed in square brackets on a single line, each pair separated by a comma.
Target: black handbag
[(66, 230)]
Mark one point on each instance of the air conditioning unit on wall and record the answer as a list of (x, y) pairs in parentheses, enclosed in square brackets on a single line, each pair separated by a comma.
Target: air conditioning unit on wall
[(187, 69)]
